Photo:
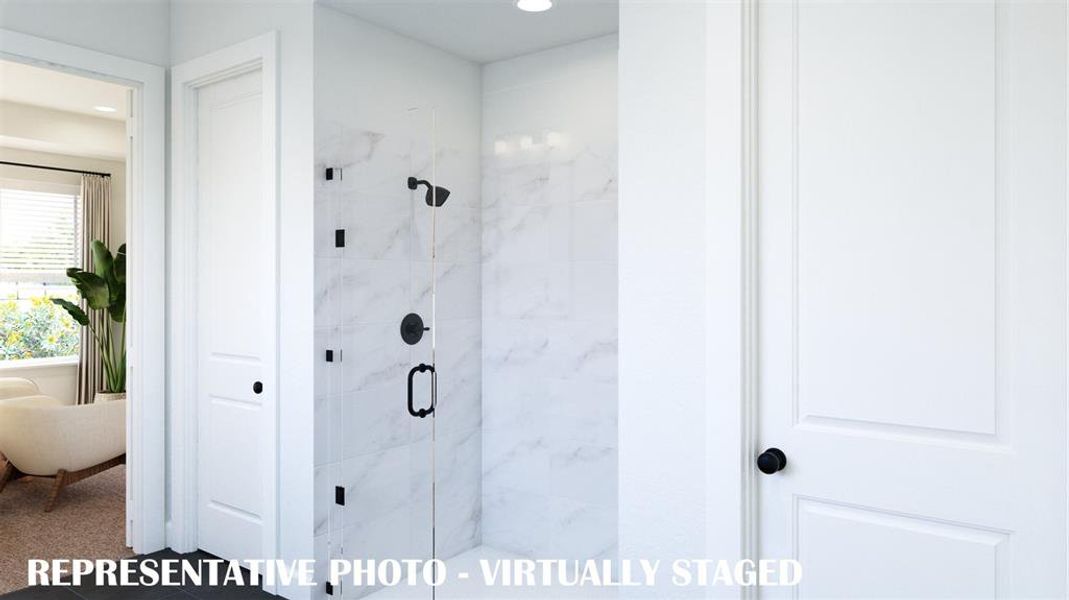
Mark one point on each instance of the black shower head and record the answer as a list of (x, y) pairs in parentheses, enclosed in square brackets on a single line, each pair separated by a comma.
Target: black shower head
[(436, 195)]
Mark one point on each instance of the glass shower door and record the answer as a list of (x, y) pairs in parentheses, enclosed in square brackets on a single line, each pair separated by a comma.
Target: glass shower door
[(402, 314), (376, 268), (446, 274), (421, 331)]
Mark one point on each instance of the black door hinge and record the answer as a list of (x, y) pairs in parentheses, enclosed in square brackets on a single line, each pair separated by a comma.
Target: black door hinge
[(339, 238), (339, 495), (334, 173)]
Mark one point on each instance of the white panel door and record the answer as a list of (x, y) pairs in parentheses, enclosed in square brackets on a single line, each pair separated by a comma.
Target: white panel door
[(236, 322), (912, 296)]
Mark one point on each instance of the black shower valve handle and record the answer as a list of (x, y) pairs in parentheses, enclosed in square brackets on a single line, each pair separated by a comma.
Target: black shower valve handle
[(423, 412), (412, 329)]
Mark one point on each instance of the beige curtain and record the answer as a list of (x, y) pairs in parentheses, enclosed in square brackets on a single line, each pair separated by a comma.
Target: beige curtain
[(96, 225)]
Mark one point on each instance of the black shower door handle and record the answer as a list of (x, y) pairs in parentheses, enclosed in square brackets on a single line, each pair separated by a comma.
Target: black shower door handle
[(423, 412)]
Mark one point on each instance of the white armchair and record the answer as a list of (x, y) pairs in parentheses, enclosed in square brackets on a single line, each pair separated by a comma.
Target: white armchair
[(44, 437), (17, 387)]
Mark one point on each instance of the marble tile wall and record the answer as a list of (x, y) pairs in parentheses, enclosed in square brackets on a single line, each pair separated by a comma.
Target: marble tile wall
[(366, 440), (549, 340)]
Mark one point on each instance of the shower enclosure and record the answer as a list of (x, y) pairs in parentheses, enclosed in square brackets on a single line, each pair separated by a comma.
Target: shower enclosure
[(465, 303), (401, 368)]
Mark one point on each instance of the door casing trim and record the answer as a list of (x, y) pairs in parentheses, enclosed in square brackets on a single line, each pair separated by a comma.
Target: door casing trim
[(731, 284)]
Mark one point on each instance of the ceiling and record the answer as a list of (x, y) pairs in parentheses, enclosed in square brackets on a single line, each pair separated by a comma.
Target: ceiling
[(486, 30), (37, 86)]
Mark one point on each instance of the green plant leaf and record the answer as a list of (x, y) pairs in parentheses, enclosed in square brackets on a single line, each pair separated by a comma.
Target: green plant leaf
[(118, 267), (117, 307), (116, 292), (75, 311), (93, 288), (117, 286), (101, 259)]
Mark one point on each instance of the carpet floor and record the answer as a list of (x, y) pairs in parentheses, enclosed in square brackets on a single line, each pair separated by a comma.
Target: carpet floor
[(87, 522)]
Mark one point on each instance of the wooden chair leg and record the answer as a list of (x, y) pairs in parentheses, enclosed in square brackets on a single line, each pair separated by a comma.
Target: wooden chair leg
[(8, 475), (57, 487)]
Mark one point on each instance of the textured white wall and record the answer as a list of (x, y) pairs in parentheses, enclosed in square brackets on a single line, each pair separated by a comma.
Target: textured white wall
[(681, 457), (663, 400), (549, 302)]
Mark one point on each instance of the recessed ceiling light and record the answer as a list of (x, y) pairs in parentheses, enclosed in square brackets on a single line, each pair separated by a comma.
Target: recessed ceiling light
[(104, 108), (534, 5)]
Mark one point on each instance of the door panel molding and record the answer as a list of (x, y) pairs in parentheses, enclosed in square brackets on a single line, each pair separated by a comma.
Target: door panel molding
[(993, 428), (991, 547)]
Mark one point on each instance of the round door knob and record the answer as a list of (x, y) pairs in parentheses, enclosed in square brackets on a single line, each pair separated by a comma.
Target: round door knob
[(257, 387), (771, 460)]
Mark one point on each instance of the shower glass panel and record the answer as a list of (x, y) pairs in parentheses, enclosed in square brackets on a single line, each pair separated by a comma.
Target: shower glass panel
[(423, 375), (399, 309), (378, 267), (446, 272), (402, 344)]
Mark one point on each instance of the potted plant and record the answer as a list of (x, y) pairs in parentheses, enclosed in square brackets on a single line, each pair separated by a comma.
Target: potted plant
[(104, 289)]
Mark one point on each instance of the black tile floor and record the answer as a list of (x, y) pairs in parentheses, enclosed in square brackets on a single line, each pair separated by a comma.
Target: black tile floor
[(93, 592)]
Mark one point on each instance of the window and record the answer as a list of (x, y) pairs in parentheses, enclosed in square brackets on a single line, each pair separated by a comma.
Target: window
[(39, 240)]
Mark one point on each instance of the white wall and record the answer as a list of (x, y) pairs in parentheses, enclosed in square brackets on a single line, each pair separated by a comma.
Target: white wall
[(680, 128), (136, 29), (549, 302), (43, 129), (198, 28)]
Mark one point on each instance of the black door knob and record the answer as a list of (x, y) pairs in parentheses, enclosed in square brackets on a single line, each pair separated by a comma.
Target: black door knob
[(771, 460), (257, 387)]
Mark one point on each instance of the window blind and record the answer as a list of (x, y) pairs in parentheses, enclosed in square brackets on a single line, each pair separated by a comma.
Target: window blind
[(39, 233)]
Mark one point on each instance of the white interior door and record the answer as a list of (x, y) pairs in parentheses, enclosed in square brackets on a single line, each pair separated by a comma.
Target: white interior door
[(236, 321), (912, 295)]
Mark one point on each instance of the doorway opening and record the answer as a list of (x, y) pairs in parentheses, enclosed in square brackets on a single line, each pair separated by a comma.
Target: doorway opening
[(81, 318), (63, 156)]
